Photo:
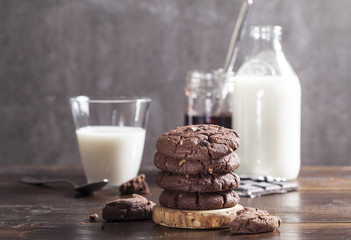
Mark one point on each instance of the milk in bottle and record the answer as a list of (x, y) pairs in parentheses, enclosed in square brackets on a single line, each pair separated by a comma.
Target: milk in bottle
[(267, 109)]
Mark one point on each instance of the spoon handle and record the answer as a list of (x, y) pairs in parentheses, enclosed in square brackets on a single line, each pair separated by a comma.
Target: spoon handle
[(32, 180)]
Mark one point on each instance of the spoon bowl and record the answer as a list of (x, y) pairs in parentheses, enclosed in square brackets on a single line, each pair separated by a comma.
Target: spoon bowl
[(85, 189), (89, 188)]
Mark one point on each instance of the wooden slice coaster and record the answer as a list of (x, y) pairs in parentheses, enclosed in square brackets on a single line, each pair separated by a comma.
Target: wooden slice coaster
[(194, 219)]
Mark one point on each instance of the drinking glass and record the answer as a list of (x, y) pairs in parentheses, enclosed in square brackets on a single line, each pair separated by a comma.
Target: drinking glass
[(111, 136)]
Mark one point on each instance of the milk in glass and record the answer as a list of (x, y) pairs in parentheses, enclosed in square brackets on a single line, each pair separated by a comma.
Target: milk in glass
[(112, 152)]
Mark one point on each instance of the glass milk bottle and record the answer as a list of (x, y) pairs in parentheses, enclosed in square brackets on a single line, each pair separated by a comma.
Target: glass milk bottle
[(267, 109)]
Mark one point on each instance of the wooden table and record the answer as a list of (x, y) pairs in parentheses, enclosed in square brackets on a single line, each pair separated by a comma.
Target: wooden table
[(321, 209)]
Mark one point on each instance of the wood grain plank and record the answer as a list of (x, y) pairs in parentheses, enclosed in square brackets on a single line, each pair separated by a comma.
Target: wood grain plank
[(148, 230), (321, 209)]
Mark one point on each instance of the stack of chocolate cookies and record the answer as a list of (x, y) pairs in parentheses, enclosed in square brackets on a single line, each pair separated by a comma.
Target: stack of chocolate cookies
[(198, 163)]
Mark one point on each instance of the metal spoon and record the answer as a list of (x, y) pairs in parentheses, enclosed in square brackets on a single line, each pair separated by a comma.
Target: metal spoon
[(84, 189)]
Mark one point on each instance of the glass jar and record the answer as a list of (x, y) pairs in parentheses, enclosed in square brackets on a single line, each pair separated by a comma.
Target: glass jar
[(208, 98), (267, 108)]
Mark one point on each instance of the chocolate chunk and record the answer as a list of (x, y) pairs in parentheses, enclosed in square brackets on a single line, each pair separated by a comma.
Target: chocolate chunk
[(198, 183), (134, 208), (198, 142), (203, 143), (253, 220), (135, 185), (199, 201)]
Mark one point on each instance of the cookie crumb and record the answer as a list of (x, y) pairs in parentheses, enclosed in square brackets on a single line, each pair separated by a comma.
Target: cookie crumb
[(93, 217)]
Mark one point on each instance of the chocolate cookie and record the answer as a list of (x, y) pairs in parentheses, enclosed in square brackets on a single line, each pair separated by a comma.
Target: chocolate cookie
[(253, 220), (135, 185), (192, 167), (198, 142), (134, 208), (198, 183), (199, 201)]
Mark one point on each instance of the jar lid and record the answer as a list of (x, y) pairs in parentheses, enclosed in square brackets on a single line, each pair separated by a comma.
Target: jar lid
[(198, 79), (214, 79)]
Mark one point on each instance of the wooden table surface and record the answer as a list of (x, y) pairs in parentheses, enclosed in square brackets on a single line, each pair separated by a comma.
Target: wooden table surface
[(321, 209)]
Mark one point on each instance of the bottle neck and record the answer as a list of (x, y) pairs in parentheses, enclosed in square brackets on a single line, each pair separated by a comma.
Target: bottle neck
[(265, 39), (265, 57)]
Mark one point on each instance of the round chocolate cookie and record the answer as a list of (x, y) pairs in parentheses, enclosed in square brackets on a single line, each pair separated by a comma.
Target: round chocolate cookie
[(198, 142), (192, 167), (199, 201), (198, 183)]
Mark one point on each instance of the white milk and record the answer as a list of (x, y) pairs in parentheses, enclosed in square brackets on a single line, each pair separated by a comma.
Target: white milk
[(111, 152), (267, 116)]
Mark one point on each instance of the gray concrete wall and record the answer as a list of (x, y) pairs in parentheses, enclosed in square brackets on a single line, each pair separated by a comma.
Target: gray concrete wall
[(51, 50)]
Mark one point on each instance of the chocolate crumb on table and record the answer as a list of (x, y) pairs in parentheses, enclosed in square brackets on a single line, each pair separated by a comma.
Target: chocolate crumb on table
[(253, 220), (136, 185), (93, 217)]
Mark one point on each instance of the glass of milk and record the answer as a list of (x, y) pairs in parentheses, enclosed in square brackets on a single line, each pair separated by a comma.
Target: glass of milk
[(111, 136)]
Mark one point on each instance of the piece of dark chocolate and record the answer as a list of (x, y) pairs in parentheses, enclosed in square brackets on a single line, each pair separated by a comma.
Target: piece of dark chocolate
[(258, 187)]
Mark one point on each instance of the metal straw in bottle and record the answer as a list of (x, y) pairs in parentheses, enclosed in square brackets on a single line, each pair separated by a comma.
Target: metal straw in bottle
[(237, 35)]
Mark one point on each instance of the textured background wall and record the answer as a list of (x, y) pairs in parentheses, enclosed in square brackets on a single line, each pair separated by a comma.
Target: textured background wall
[(51, 50)]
